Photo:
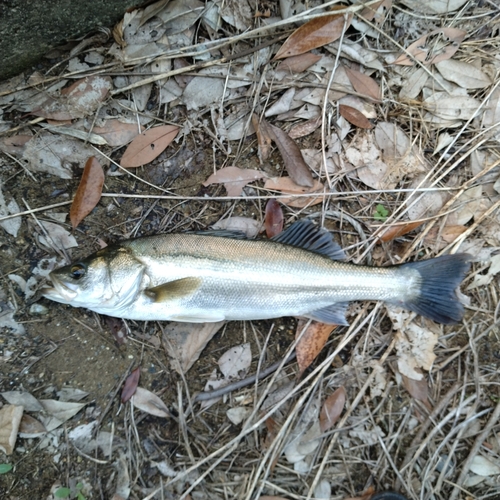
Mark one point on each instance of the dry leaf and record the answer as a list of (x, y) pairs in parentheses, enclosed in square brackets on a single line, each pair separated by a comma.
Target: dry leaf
[(287, 186), (417, 389), (31, 427), (297, 64), (78, 100), (274, 218), (14, 145), (234, 179), (250, 227), (147, 146), (264, 138), (313, 34), (294, 162), (483, 467), (57, 236), (13, 225), (88, 193), (24, 399), (184, 342), (452, 107), (364, 84), (464, 74), (352, 115), (10, 419), (436, 46), (235, 362), (130, 385), (396, 230), (376, 10), (305, 128), (332, 409), (150, 403), (434, 6), (117, 133), (311, 341)]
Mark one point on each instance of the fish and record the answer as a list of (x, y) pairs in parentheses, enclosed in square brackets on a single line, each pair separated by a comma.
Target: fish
[(212, 276)]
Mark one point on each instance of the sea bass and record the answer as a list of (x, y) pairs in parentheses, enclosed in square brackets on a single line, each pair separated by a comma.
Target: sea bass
[(220, 275)]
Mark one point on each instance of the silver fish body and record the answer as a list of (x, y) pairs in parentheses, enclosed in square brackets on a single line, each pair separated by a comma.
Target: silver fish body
[(211, 277)]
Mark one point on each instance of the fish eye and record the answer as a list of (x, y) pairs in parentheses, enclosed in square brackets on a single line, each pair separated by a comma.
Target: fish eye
[(77, 271)]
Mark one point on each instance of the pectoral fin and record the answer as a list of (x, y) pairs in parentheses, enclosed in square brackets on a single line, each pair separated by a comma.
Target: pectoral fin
[(174, 289), (333, 315)]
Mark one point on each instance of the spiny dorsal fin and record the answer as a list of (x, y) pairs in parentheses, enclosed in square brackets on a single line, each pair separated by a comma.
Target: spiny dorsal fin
[(304, 234), (173, 289)]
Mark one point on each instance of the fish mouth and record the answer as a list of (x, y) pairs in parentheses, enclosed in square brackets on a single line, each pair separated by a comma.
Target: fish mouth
[(60, 292)]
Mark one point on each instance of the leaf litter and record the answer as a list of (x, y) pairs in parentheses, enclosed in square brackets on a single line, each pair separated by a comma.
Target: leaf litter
[(179, 101)]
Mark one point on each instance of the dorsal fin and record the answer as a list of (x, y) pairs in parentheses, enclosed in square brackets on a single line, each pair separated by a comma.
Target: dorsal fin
[(221, 233), (304, 234)]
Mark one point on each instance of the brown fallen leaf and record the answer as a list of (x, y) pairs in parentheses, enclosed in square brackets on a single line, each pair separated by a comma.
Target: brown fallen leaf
[(305, 128), (31, 426), (297, 64), (332, 409), (436, 46), (117, 133), (364, 84), (117, 328), (352, 115), (14, 145), (150, 403), (130, 385), (274, 218), (287, 186), (373, 11), (148, 145), (396, 230), (313, 34), (295, 165), (264, 138), (88, 193), (234, 179), (418, 389), (311, 341)]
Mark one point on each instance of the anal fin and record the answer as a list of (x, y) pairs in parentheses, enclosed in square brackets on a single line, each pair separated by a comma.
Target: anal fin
[(173, 289), (333, 314)]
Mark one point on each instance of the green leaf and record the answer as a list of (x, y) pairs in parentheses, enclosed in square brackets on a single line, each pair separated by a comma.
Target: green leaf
[(4, 468), (62, 493), (381, 213), (80, 497)]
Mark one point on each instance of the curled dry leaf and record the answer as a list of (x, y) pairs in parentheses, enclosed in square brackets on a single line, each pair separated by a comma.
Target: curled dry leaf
[(147, 146), (10, 419), (274, 218), (88, 193), (313, 34), (436, 46), (352, 115), (234, 179), (332, 409), (130, 385), (287, 186), (150, 403), (305, 128), (294, 162), (311, 341), (364, 84), (14, 145)]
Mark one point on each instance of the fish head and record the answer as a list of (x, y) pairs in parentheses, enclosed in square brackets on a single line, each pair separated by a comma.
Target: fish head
[(104, 282)]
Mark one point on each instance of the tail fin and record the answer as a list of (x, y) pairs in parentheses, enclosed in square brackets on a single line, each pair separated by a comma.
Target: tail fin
[(439, 278)]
